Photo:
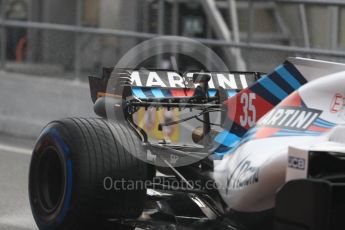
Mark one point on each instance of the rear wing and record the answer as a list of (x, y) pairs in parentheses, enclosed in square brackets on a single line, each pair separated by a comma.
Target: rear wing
[(155, 83)]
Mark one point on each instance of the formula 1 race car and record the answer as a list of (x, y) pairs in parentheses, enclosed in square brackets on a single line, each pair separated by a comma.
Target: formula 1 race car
[(260, 152)]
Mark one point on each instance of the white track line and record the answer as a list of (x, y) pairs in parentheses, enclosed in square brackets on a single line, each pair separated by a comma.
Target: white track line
[(9, 148)]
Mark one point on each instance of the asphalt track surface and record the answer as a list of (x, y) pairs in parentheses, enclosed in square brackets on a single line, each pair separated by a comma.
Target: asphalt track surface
[(15, 211)]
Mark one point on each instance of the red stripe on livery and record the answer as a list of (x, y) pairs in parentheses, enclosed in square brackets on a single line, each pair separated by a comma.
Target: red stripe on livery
[(266, 132), (182, 92), (318, 129), (293, 99)]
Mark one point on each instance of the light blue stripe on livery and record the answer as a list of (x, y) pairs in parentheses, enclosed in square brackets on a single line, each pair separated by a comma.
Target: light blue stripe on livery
[(138, 92), (298, 131), (284, 134), (273, 88), (237, 144), (157, 93), (288, 77), (231, 93), (212, 92), (324, 124), (227, 139)]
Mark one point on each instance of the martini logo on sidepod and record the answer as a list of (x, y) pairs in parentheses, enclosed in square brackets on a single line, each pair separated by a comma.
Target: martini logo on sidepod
[(288, 117)]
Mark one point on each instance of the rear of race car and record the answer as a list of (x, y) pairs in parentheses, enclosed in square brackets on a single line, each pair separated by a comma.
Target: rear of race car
[(81, 168), (162, 100), (243, 152)]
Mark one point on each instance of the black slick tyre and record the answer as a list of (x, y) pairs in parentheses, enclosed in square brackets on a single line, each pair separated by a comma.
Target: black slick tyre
[(75, 166)]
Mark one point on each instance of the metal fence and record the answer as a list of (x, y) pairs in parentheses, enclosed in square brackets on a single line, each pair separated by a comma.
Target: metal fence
[(79, 30)]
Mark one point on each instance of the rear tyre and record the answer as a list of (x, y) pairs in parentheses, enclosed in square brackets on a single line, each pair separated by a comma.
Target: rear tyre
[(80, 174)]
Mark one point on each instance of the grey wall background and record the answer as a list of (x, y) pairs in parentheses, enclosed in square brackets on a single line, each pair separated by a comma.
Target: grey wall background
[(43, 86), (27, 103)]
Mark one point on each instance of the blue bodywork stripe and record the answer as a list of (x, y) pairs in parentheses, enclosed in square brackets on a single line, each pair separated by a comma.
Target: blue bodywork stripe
[(227, 139), (148, 93), (157, 93), (166, 92), (298, 131), (138, 92), (294, 72), (269, 85), (323, 123), (162, 93), (212, 92), (222, 149), (250, 132), (288, 77), (231, 93), (283, 84), (267, 95)]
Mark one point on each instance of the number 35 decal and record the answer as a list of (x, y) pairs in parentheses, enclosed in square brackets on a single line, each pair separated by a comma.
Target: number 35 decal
[(249, 111)]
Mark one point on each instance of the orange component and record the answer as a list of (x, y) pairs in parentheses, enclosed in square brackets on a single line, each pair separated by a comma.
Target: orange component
[(102, 94), (20, 49)]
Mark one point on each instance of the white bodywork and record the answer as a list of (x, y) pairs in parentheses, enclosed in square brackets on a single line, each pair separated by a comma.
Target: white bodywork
[(248, 178)]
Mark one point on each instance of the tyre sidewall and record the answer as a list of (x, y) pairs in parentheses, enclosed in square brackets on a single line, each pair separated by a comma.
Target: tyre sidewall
[(51, 137)]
